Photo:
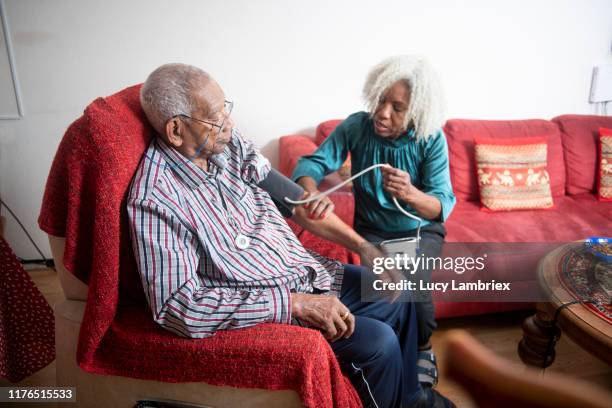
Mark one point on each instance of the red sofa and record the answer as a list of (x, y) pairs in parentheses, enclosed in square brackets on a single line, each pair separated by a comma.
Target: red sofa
[(572, 166)]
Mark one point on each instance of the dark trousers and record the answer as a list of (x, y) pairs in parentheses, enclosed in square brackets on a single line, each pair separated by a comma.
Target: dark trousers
[(432, 239), (380, 356)]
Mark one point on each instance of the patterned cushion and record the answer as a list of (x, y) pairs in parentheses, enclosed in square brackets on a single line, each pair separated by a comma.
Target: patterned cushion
[(460, 135), (512, 174), (604, 190)]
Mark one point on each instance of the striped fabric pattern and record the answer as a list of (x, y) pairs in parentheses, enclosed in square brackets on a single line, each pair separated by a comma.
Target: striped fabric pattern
[(184, 222), (512, 175)]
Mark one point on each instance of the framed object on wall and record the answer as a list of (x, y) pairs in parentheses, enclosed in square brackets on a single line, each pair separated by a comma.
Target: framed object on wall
[(10, 96)]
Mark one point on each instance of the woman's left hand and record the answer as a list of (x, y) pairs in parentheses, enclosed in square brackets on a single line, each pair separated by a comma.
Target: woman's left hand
[(397, 182)]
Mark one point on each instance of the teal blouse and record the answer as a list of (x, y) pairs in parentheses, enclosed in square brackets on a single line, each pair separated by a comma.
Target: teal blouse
[(425, 160)]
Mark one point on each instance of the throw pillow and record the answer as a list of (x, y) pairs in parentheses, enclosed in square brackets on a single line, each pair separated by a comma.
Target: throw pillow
[(604, 173), (512, 174)]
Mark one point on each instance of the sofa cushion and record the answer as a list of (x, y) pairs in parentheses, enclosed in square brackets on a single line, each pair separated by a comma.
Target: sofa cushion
[(604, 171), (579, 137), (589, 202), (446, 310), (324, 129), (571, 219), (512, 174), (460, 134), (291, 148)]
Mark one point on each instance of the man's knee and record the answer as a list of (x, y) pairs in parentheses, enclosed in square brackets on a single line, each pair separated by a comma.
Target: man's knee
[(381, 342)]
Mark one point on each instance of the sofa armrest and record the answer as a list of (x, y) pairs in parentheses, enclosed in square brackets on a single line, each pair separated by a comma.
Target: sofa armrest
[(290, 149)]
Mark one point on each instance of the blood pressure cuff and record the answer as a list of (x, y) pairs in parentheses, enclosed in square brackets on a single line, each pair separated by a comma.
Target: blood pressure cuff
[(279, 187)]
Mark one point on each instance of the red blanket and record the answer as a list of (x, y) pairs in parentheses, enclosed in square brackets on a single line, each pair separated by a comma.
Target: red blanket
[(85, 202)]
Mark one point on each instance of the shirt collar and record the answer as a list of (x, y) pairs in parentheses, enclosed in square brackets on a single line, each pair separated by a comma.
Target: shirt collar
[(183, 167)]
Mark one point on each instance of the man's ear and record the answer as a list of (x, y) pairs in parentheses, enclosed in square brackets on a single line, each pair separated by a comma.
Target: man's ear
[(174, 131)]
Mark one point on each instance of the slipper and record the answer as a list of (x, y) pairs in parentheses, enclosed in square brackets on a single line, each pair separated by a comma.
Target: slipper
[(427, 368)]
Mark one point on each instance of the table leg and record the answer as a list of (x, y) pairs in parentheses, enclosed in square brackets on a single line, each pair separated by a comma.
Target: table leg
[(537, 348)]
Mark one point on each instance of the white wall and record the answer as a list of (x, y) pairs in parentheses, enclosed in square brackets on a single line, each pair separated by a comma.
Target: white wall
[(288, 65)]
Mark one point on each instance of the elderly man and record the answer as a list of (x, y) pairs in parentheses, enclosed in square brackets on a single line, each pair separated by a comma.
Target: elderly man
[(214, 252)]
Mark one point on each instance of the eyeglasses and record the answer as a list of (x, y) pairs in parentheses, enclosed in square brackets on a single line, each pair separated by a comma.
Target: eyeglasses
[(227, 111)]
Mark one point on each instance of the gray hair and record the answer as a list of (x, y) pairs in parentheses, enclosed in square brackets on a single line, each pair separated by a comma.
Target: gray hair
[(426, 109), (168, 91)]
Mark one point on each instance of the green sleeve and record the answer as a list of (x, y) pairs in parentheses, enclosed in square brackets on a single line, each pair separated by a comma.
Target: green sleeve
[(328, 157), (436, 174)]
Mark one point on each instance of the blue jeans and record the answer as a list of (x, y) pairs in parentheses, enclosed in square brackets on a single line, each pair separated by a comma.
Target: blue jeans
[(380, 356)]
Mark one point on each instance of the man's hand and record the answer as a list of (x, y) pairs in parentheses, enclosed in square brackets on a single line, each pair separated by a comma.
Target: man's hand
[(320, 208), (326, 313), (397, 182)]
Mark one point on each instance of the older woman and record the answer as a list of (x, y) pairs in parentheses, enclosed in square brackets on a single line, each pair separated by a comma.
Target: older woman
[(402, 129)]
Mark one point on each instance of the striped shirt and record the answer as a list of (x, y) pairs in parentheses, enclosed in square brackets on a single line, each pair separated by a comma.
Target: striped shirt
[(184, 222)]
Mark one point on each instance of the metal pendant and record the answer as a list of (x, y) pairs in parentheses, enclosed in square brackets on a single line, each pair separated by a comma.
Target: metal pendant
[(242, 241)]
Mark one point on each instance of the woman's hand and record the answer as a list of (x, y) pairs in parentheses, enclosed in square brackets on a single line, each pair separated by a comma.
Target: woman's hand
[(397, 182), (320, 208)]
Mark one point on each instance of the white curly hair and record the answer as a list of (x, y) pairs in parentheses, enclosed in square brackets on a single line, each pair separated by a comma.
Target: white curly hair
[(426, 109)]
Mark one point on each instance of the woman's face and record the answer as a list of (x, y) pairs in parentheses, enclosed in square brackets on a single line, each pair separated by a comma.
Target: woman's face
[(390, 114)]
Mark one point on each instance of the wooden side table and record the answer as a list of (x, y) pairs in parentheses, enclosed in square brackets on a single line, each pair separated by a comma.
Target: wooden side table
[(582, 325)]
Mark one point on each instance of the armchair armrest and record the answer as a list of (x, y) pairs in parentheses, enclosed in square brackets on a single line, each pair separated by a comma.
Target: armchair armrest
[(73, 288)]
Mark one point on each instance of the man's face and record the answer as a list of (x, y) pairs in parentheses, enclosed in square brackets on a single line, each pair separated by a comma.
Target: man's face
[(206, 139), (390, 114)]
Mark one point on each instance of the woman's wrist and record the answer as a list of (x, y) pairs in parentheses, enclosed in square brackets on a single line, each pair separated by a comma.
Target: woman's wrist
[(411, 195), (427, 206)]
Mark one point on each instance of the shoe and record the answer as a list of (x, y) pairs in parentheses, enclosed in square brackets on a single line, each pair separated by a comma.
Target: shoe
[(431, 398), (427, 368)]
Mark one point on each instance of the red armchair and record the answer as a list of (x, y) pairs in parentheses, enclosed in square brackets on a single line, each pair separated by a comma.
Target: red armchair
[(107, 343)]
